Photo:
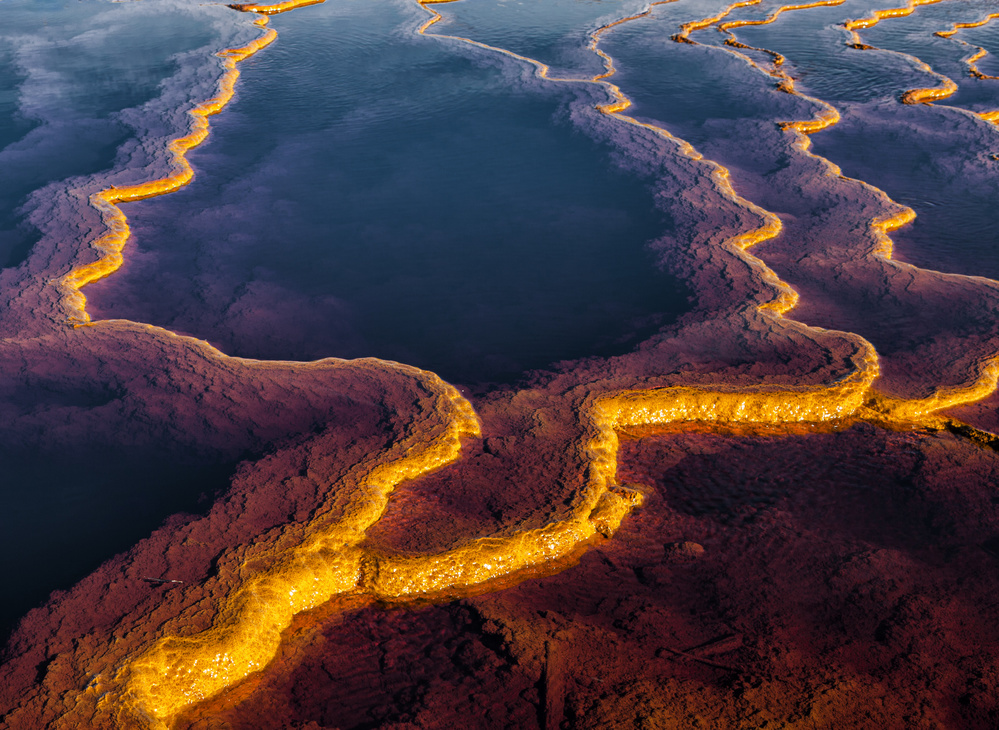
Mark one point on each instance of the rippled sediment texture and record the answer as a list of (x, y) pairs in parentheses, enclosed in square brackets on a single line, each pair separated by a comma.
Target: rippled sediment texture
[(804, 327)]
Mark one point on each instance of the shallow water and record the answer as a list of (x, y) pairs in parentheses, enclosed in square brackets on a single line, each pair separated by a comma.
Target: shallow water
[(948, 180)]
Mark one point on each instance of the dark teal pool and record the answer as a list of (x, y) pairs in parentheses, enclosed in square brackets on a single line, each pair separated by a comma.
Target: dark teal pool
[(371, 192)]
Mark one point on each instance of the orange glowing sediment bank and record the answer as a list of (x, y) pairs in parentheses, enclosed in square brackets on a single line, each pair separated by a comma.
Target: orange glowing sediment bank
[(912, 96), (972, 61), (930, 94), (827, 117), (986, 379), (973, 24), (973, 67), (683, 36), (273, 8), (949, 87), (778, 59), (603, 503), (177, 672), (786, 82), (770, 226), (878, 15), (609, 69), (110, 245), (980, 52)]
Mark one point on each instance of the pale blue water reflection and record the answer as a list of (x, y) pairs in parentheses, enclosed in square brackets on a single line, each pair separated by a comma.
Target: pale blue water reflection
[(67, 71)]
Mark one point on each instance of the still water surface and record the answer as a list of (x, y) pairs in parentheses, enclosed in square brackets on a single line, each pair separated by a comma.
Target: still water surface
[(372, 192)]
